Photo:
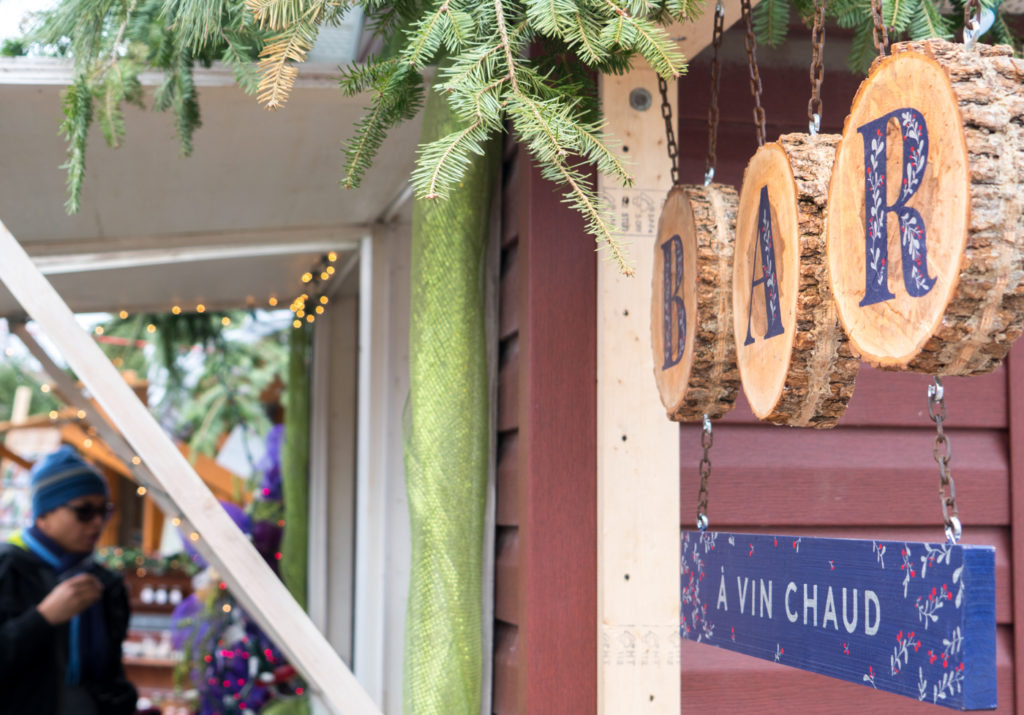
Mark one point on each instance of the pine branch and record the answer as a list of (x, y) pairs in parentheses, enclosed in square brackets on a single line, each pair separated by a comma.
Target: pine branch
[(771, 21), (862, 49), (237, 56), (928, 22), (653, 43), (443, 163), (398, 96), (585, 33), (77, 103), (897, 14), (425, 38), (276, 14), (278, 72)]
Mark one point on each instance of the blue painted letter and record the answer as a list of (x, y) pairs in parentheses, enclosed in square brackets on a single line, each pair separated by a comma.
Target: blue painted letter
[(769, 276), (912, 228), (673, 302)]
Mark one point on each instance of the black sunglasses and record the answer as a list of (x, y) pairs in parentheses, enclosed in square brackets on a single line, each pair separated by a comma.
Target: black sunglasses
[(87, 512)]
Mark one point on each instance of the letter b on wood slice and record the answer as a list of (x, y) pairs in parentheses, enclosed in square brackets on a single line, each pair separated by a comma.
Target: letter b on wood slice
[(925, 221), (691, 323)]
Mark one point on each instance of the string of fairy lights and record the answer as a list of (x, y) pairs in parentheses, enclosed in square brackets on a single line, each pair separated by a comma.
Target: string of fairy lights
[(306, 307)]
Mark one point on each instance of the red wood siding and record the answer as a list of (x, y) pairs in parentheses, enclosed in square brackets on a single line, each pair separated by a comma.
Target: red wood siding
[(873, 476), (546, 562)]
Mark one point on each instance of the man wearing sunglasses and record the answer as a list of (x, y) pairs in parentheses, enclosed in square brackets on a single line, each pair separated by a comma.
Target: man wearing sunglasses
[(63, 617)]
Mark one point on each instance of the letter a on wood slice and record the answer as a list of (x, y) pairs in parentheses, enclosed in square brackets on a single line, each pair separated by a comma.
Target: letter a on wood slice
[(691, 322), (795, 362), (926, 225), (915, 619)]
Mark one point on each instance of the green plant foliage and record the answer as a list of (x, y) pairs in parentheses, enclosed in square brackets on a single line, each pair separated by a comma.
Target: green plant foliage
[(771, 21), (226, 376), (528, 64), (491, 80), (112, 41), (903, 19), (295, 467), (15, 373)]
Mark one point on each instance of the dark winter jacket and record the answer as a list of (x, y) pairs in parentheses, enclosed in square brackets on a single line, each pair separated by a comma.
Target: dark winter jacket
[(33, 654)]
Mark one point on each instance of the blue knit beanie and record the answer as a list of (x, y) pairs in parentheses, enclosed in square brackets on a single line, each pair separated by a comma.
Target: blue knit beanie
[(60, 477)]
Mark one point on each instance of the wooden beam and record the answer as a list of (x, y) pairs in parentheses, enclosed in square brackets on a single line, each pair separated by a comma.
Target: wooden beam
[(251, 580), (637, 446), (152, 526), (17, 459), (66, 413)]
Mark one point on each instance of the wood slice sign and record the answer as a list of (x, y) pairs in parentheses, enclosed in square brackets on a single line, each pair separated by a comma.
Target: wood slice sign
[(925, 226), (691, 320), (795, 362)]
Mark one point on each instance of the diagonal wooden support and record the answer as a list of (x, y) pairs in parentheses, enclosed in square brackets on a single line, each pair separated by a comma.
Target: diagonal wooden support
[(16, 458), (221, 543), (72, 395)]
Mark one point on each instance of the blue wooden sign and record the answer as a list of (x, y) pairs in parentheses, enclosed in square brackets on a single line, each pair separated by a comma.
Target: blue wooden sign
[(910, 618)]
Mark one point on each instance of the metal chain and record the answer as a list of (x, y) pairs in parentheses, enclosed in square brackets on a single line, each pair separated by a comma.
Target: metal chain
[(943, 452), (878, 32), (716, 74), (755, 75), (706, 440), (817, 68), (670, 132)]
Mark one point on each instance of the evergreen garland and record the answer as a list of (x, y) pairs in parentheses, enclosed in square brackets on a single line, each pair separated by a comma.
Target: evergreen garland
[(528, 63), (904, 20)]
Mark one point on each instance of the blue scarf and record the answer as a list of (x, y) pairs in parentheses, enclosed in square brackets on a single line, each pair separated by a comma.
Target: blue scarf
[(87, 633)]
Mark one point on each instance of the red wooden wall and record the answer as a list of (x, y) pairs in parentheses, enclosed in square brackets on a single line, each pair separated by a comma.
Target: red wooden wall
[(545, 658), (874, 475)]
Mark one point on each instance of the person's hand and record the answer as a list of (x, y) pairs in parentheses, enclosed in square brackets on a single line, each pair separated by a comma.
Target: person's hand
[(69, 598)]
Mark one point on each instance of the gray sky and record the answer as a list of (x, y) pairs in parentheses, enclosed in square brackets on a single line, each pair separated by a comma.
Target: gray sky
[(12, 11)]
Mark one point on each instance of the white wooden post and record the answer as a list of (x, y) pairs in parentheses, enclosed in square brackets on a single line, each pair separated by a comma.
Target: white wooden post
[(221, 543), (639, 668)]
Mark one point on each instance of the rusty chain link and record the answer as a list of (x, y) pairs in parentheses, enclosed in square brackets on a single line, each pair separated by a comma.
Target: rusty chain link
[(716, 74), (670, 132), (755, 75), (943, 453), (706, 440), (817, 68), (878, 31)]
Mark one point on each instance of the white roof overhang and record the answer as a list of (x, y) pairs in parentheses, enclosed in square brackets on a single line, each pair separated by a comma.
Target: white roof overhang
[(254, 206)]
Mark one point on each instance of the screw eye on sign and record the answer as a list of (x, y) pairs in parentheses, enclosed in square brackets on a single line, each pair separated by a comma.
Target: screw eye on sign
[(925, 223), (691, 317), (910, 618)]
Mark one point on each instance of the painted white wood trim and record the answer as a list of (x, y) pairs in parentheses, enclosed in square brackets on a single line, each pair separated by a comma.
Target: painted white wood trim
[(83, 262), (52, 70), (251, 580), (319, 562), (228, 244), (332, 466), (371, 487)]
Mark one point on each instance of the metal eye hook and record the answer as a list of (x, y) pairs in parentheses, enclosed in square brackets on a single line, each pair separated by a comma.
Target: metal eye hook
[(814, 126)]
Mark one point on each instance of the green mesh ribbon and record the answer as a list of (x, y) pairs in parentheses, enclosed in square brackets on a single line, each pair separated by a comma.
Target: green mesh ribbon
[(446, 447), (294, 469)]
